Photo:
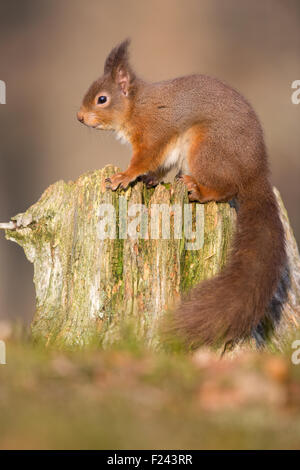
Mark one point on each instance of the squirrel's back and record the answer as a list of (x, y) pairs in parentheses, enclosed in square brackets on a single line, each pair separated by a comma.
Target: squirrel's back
[(223, 116)]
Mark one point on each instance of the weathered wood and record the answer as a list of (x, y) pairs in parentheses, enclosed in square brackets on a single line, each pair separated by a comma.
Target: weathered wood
[(88, 287)]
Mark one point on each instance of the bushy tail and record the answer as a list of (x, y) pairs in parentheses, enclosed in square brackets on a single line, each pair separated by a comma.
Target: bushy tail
[(229, 306)]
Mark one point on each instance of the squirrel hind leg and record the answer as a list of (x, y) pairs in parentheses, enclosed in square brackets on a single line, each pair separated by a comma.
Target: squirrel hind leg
[(214, 175), (199, 192)]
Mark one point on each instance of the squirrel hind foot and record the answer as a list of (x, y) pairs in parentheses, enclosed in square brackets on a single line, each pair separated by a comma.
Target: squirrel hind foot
[(199, 192), (192, 187)]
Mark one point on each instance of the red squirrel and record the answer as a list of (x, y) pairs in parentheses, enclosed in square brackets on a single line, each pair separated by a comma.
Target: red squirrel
[(211, 134)]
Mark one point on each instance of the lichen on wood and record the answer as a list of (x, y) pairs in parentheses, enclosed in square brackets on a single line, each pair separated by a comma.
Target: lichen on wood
[(88, 287)]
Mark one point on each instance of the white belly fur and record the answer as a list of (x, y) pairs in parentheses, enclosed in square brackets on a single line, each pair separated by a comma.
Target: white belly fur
[(176, 154)]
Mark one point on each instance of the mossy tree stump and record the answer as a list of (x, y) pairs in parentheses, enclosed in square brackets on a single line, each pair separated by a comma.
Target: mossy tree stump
[(88, 287)]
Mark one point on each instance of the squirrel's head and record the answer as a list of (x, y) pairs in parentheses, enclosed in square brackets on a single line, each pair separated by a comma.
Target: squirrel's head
[(108, 100)]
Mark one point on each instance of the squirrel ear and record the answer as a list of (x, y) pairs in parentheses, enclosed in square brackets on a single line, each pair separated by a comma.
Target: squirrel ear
[(123, 80), (117, 65)]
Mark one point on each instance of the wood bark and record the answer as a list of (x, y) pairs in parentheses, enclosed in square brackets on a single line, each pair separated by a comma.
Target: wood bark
[(88, 288)]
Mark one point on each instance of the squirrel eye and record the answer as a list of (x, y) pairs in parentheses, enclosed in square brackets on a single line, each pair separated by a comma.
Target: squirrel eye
[(102, 99)]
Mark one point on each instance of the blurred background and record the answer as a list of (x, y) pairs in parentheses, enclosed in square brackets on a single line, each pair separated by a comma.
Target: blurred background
[(51, 50)]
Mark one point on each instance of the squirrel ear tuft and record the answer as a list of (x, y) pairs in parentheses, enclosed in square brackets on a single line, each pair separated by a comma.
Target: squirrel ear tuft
[(118, 56), (117, 65)]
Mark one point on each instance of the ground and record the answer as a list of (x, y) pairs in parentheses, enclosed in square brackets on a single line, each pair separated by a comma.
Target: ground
[(131, 398)]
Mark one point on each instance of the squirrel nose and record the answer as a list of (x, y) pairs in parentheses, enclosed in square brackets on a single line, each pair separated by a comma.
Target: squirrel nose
[(80, 116)]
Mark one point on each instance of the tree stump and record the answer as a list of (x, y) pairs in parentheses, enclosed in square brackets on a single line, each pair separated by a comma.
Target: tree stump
[(88, 286)]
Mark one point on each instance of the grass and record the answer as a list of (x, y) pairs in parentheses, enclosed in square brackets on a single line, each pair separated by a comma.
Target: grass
[(132, 398)]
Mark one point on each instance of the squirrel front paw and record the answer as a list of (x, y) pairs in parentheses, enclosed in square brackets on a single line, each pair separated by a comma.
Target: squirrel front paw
[(121, 180)]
